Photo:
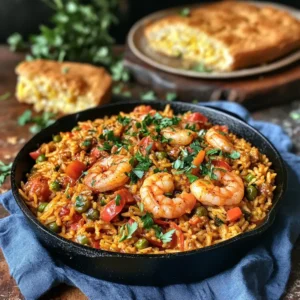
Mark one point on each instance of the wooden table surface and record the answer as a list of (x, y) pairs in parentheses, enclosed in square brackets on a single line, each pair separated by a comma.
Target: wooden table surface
[(12, 138)]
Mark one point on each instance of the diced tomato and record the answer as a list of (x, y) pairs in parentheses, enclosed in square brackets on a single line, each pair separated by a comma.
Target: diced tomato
[(196, 117), (234, 214), (95, 152), (147, 144), (161, 222), (96, 244), (173, 242), (66, 180), (75, 226), (76, 217), (35, 154), (75, 169), (181, 236), (221, 164), (64, 211), (195, 220), (111, 209), (38, 185), (76, 221)]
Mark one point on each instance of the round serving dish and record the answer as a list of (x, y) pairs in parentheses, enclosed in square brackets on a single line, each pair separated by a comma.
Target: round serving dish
[(138, 44), (150, 269)]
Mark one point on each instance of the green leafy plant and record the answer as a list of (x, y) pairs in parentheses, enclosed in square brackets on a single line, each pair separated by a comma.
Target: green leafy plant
[(79, 32), (4, 171), (39, 122)]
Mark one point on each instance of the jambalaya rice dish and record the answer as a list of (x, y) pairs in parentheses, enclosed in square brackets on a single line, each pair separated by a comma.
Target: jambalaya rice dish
[(149, 182)]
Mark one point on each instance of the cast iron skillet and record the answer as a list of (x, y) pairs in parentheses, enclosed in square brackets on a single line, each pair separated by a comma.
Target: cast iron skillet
[(149, 269)]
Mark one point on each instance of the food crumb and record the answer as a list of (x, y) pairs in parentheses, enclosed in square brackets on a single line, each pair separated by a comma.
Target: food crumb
[(12, 140)]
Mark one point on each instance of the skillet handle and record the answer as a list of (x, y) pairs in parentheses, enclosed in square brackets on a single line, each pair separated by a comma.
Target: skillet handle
[(227, 112)]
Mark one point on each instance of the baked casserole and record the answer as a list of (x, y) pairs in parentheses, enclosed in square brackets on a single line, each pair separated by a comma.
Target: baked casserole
[(62, 87), (226, 36)]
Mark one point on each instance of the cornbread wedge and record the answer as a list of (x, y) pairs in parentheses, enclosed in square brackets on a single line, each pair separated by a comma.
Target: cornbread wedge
[(62, 87), (226, 36)]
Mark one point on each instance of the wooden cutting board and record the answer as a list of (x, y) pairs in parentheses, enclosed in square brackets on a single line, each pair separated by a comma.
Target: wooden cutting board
[(253, 92)]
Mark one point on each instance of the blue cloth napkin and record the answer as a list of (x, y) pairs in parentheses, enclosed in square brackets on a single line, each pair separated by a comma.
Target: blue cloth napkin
[(261, 274)]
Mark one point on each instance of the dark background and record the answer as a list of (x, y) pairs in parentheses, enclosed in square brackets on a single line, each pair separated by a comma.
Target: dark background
[(25, 16)]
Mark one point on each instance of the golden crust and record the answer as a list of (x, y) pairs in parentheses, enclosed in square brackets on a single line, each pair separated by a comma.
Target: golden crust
[(253, 35), (77, 78)]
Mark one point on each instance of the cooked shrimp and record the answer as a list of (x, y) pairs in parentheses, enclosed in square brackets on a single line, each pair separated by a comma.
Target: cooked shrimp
[(217, 140), (232, 191), (153, 197), (108, 173), (180, 137)]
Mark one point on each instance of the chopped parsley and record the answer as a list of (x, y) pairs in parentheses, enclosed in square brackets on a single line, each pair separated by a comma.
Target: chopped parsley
[(5, 171), (106, 146), (147, 221), (208, 169), (65, 70), (41, 122), (123, 120), (5, 96), (201, 68), (25, 117), (127, 231), (118, 199), (235, 155), (164, 237), (185, 12), (191, 177), (148, 96), (86, 143), (214, 152), (142, 164), (171, 96), (109, 135), (191, 127)]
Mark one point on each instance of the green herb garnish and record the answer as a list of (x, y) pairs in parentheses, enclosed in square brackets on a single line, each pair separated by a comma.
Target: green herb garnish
[(118, 199), (235, 155), (148, 96), (5, 96), (171, 96), (185, 12), (191, 177), (166, 237), (201, 68), (25, 117), (127, 231)]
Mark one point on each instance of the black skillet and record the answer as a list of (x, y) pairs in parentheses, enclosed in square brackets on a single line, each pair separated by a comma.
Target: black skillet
[(149, 269)]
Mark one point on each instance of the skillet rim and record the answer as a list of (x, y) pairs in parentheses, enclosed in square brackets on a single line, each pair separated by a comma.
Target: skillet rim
[(92, 252)]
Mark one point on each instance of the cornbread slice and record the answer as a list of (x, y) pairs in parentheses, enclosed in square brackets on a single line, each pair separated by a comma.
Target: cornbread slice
[(226, 36), (62, 87)]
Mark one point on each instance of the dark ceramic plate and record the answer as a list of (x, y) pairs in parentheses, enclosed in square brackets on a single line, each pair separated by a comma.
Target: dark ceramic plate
[(149, 269)]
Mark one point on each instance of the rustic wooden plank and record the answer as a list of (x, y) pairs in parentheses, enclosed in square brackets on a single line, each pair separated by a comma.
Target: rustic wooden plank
[(254, 92)]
